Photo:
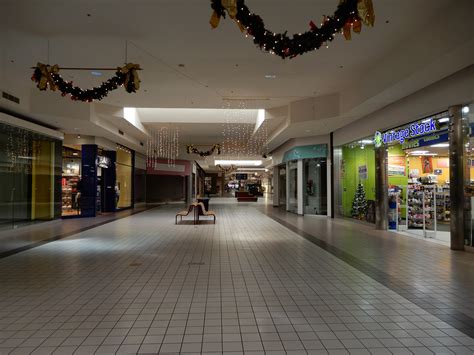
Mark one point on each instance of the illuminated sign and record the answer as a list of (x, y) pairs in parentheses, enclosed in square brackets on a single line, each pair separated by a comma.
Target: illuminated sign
[(103, 162), (402, 134)]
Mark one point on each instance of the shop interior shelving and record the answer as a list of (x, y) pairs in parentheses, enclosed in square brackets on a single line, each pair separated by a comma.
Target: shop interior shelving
[(421, 208)]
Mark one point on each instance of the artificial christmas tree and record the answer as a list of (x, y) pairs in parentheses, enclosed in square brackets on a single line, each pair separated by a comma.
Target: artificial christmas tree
[(359, 205)]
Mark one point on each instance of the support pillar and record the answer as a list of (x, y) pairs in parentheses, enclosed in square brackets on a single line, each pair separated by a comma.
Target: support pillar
[(381, 188), (300, 186), (109, 177), (276, 186), (331, 181), (189, 189), (88, 182), (459, 178)]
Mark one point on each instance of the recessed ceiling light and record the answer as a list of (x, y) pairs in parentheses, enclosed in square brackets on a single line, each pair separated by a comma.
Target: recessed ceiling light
[(238, 162), (440, 145), (270, 76), (465, 109), (96, 73), (444, 119)]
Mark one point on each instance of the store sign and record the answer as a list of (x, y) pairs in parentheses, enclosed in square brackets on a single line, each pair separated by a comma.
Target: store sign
[(425, 141), (400, 135), (306, 152), (103, 162)]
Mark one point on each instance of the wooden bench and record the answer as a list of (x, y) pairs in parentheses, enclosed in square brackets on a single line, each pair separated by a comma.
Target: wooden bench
[(245, 196), (202, 209), (247, 199), (185, 213)]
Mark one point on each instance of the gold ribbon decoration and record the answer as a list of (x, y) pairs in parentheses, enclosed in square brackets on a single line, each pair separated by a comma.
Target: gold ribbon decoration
[(215, 19), (46, 78), (131, 77), (346, 30), (365, 9), (231, 7)]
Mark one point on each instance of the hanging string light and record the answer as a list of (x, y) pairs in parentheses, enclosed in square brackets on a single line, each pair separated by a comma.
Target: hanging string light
[(240, 137), (162, 143)]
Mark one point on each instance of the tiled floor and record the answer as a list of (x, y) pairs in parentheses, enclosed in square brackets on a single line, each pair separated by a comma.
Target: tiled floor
[(13, 241), (247, 284)]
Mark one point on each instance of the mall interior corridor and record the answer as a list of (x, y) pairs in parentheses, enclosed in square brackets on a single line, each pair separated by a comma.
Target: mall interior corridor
[(247, 284)]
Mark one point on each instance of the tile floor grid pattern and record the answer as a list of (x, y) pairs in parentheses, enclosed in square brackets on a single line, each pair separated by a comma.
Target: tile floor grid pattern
[(121, 288), (446, 276), (426, 298)]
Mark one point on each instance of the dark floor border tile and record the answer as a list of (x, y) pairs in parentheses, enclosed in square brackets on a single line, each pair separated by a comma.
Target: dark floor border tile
[(453, 317), (7, 253)]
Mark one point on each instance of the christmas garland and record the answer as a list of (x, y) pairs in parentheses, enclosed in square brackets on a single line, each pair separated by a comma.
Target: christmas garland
[(192, 149), (349, 15), (48, 77), (226, 171)]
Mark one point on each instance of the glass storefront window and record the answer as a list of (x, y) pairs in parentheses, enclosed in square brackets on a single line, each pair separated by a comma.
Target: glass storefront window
[(30, 176), (293, 186), (357, 174), (282, 185), (123, 183), (468, 112), (71, 181), (315, 189)]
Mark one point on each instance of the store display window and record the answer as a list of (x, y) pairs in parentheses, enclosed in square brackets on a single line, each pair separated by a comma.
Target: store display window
[(123, 183), (315, 189), (468, 113), (292, 186), (30, 173), (282, 185), (357, 175), (71, 181), (418, 179)]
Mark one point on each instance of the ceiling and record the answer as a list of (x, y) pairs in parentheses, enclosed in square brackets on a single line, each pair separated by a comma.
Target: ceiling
[(189, 66), (217, 64)]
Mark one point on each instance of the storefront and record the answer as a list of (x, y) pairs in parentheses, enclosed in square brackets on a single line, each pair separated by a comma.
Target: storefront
[(95, 180), (416, 175), (30, 175), (303, 180), (124, 177)]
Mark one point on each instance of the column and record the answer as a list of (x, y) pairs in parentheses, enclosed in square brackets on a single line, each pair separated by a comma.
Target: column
[(88, 183), (189, 190), (109, 178), (300, 186), (459, 178), (331, 180), (381, 188), (287, 181), (276, 186)]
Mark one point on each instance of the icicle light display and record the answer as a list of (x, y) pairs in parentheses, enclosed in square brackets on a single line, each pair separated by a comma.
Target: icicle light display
[(240, 139), (163, 144)]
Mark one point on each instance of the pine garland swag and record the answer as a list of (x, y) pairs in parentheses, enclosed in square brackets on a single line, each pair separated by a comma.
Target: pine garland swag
[(349, 16), (190, 148), (47, 77)]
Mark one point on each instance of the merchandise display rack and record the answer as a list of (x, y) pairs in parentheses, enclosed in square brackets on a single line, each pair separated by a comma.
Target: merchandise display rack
[(443, 203), (421, 208)]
